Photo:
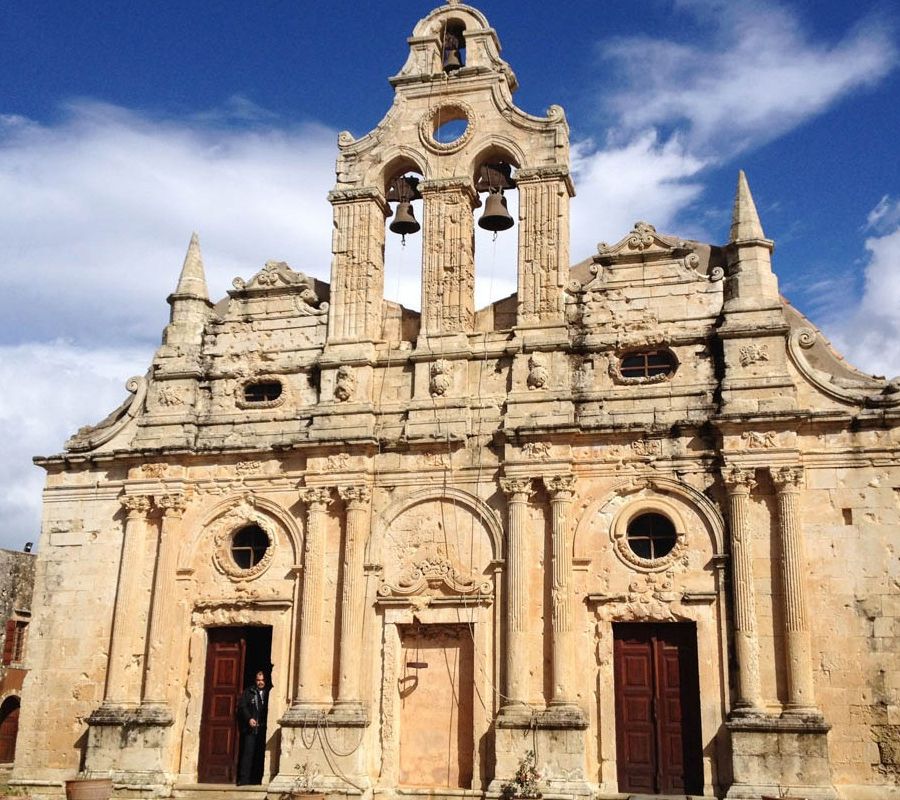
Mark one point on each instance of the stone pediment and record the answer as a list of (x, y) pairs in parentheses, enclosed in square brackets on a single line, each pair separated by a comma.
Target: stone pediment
[(276, 277), (642, 243)]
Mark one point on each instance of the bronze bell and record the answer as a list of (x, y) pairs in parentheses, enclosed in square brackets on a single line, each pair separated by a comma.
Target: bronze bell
[(404, 222), (496, 216), (451, 61)]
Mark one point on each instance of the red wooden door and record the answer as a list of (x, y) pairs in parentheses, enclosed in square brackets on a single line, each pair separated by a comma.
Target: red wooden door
[(658, 747), (225, 654), (9, 730)]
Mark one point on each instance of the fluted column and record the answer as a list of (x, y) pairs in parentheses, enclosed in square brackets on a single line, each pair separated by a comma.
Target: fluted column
[(164, 592), (357, 499), (801, 695), (309, 691), (562, 490), (739, 483), (123, 679), (448, 272), (518, 490), (543, 244), (357, 267)]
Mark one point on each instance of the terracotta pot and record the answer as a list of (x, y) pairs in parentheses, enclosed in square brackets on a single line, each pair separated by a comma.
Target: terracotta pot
[(89, 789)]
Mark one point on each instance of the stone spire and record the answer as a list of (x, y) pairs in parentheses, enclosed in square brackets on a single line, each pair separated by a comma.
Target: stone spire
[(745, 224), (190, 300), (192, 281)]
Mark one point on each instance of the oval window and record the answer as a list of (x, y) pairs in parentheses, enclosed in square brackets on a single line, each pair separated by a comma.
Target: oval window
[(448, 132), (262, 392), (648, 364), (248, 546), (651, 536)]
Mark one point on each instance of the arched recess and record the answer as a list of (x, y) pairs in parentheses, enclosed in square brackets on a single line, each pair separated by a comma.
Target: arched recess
[(9, 728), (452, 497), (705, 510), (402, 255), (238, 509)]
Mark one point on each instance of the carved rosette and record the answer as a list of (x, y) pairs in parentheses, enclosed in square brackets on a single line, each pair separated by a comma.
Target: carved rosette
[(223, 531)]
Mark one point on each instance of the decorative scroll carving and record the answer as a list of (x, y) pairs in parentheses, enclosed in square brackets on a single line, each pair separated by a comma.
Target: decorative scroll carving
[(755, 440), (92, 436), (536, 451), (345, 383), (642, 236), (649, 597), (170, 396), (154, 470), (338, 462), (647, 447), (434, 573)]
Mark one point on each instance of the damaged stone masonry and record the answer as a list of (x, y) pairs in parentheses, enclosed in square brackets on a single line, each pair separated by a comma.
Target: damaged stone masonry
[(638, 519)]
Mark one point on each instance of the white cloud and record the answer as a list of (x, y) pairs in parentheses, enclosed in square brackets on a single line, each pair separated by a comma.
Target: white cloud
[(51, 389), (868, 334), (756, 77)]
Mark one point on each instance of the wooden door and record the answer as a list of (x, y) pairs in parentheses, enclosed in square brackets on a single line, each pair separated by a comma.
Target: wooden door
[(436, 692), (225, 654), (9, 729), (658, 745)]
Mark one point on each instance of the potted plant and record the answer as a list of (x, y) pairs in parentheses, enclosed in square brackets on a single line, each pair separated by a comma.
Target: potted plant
[(85, 788)]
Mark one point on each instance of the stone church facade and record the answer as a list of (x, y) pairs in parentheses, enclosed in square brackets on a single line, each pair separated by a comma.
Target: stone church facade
[(638, 521)]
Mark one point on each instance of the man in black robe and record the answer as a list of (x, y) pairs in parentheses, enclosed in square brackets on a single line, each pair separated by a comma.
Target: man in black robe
[(252, 709)]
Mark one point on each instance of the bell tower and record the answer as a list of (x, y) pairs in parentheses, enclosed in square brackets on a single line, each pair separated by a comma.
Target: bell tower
[(454, 77)]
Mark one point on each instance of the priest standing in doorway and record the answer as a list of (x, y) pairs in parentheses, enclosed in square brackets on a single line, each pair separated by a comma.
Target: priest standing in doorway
[(252, 709)]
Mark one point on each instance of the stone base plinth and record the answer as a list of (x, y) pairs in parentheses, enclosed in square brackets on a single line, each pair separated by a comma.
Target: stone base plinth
[(557, 737), (774, 755), (322, 752), (130, 744)]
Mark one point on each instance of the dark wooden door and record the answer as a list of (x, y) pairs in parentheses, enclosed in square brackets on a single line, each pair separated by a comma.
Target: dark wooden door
[(225, 654), (9, 730), (658, 745)]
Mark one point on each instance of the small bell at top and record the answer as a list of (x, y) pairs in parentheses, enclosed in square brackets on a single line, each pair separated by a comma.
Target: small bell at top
[(404, 222), (496, 216), (451, 61)]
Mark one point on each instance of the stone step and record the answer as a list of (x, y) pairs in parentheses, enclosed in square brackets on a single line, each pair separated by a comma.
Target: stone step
[(218, 791)]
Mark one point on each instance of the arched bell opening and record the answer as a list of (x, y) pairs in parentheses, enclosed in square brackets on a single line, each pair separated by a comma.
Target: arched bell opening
[(453, 46), (496, 235), (403, 250)]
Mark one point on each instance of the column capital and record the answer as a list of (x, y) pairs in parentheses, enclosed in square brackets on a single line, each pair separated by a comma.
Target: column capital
[(172, 505), (136, 505), (357, 496), (787, 480), (738, 481), (561, 487), (517, 488), (316, 497)]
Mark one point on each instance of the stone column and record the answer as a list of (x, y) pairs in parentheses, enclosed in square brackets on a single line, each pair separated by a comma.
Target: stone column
[(164, 592), (801, 697), (357, 499), (309, 692), (448, 271), (518, 490), (739, 483), (562, 490), (543, 244), (123, 678), (357, 269)]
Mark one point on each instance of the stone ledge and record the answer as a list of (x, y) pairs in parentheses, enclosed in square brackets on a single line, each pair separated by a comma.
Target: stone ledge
[(792, 723), (131, 715)]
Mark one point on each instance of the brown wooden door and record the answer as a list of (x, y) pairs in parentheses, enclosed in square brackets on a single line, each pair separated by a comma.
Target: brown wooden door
[(9, 730), (658, 745), (225, 655)]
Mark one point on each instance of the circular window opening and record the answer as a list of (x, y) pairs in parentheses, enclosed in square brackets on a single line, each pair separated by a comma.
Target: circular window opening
[(450, 131), (248, 546), (651, 536), (647, 364)]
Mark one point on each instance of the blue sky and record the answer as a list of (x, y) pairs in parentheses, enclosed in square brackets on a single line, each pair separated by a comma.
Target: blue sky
[(125, 126)]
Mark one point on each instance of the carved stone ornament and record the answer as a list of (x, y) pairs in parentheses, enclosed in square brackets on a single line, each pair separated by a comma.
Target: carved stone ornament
[(647, 448), (753, 353), (345, 383), (135, 505), (245, 468), (153, 470), (170, 396), (538, 375), (171, 505), (536, 451), (440, 377), (223, 529), (787, 479), (649, 597), (517, 486), (739, 481), (277, 275), (92, 436), (642, 236), (337, 462), (435, 576), (754, 440), (434, 459)]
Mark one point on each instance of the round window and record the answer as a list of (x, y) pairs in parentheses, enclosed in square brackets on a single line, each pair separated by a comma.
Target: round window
[(249, 546), (651, 536)]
